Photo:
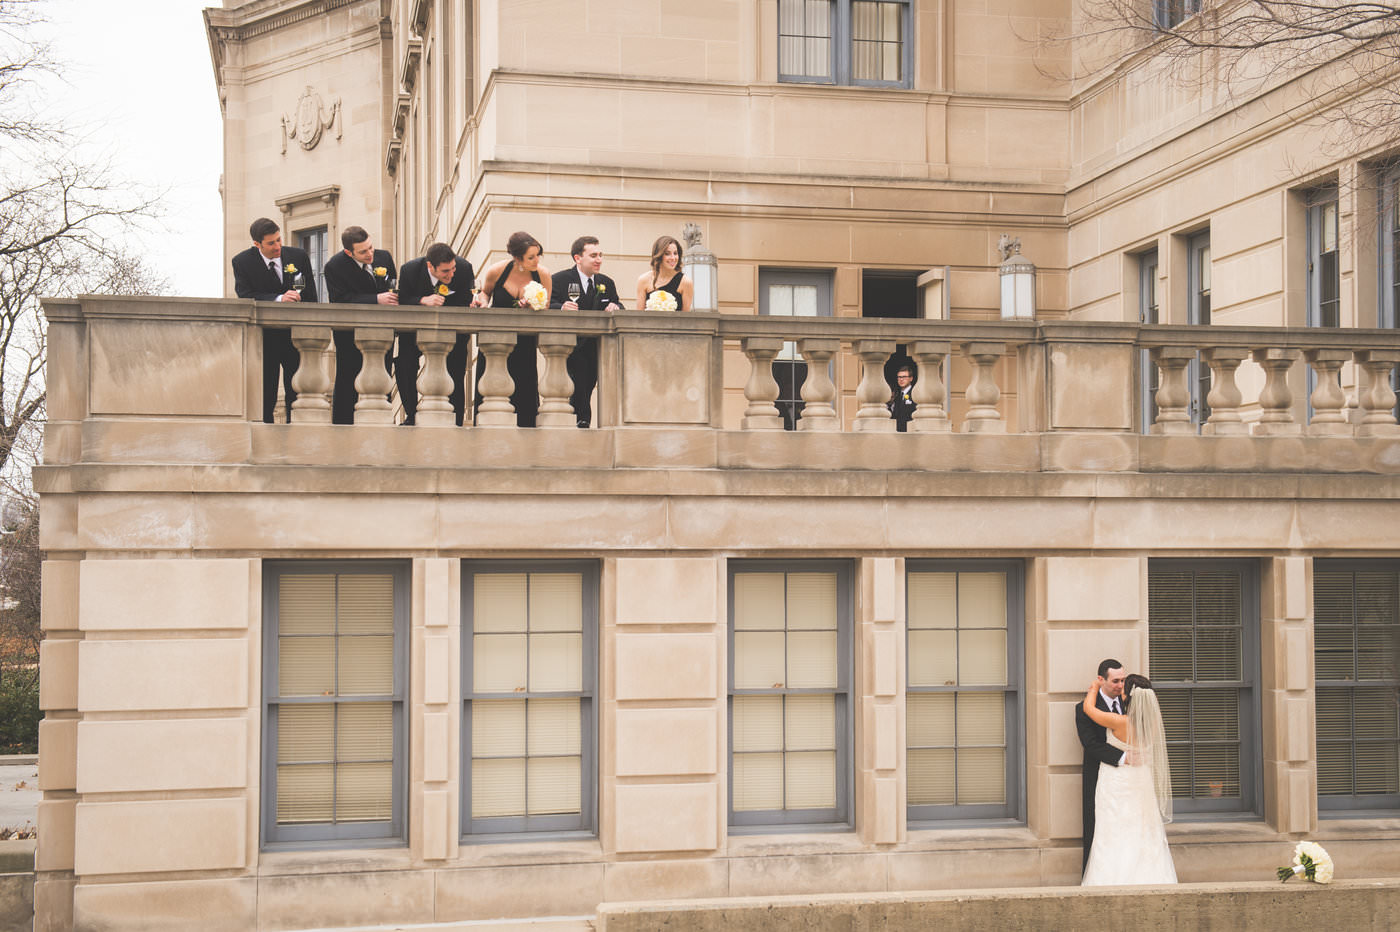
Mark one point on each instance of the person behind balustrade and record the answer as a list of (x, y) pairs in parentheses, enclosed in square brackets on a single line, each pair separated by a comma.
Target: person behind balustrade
[(584, 288), (665, 275), (901, 403), (439, 278), (269, 271), (504, 284), (360, 274)]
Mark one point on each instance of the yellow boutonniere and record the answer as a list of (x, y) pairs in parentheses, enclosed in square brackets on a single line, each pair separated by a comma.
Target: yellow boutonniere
[(380, 271), (602, 289), (291, 268), (444, 290)]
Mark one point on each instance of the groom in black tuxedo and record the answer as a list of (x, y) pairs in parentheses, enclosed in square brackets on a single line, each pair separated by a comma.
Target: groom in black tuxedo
[(440, 278), (1094, 738), (360, 274), (269, 271), (596, 292)]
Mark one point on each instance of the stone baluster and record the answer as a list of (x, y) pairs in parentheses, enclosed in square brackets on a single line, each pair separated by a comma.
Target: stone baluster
[(983, 392), (556, 386), (310, 382), (1378, 401), (1173, 394), (1224, 397), (434, 384), (873, 392), (373, 384), (930, 391), (1276, 399), (818, 391), (761, 391), (1328, 400), (496, 384)]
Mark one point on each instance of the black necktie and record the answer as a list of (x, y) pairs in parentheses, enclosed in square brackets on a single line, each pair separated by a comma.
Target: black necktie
[(1115, 707), (272, 267)]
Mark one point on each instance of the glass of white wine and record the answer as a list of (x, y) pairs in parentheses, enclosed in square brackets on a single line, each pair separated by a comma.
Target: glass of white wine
[(575, 289)]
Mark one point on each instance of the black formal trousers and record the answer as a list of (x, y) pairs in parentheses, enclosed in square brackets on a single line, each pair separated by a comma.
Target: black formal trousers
[(1094, 738), (253, 279), (348, 283), (583, 359), (414, 285)]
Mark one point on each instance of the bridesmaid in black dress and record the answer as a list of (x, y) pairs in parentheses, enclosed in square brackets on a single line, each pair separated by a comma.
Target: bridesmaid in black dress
[(501, 286), (666, 275)]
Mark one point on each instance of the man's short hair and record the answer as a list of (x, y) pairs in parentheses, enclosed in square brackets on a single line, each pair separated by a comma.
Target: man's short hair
[(577, 248), (438, 253), (353, 236), (1107, 665), (262, 228), (903, 369)]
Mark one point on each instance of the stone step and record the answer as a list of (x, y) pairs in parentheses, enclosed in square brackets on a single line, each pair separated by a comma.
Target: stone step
[(541, 924)]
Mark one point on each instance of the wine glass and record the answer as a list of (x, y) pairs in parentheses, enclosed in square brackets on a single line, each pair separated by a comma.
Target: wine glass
[(575, 289), (298, 281)]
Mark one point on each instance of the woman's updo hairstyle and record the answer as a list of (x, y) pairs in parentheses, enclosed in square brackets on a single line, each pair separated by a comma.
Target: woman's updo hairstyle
[(520, 243), (1132, 682)]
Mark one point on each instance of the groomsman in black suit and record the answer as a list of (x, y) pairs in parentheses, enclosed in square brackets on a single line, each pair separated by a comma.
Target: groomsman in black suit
[(593, 291), (901, 403), (360, 274), (1094, 738), (269, 271), (440, 278)]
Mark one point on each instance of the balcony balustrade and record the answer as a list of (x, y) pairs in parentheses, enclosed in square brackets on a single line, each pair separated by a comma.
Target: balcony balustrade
[(162, 358)]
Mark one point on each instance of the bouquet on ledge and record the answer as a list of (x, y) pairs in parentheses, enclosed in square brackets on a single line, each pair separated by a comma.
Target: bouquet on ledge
[(534, 296), (661, 301), (1310, 860)]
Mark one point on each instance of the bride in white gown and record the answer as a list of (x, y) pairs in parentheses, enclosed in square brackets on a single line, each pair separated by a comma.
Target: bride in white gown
[(1133, 800)]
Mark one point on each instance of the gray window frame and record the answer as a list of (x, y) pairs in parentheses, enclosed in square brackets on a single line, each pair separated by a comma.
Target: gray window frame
[(515, 828), (1250, 723), (799, 820), (1381, 805), (1198, 314), (318, 256), (1168, 14), (1149, 312), (332, 835), (1014, 809), (1317, 202), (789, 368), (1388, 240), (842, 40)]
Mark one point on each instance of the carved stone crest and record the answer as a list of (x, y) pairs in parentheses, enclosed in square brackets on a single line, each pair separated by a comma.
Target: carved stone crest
[(1008, 247), (309, 120), (691, 234)]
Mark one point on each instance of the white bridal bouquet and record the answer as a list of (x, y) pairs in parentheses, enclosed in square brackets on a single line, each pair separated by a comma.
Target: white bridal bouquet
[(1310, 860), (661, 301), (534, 296)]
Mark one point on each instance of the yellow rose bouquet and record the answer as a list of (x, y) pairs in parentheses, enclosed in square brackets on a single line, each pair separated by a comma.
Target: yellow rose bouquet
[(1311, 861), (661, 301), (534, 296)]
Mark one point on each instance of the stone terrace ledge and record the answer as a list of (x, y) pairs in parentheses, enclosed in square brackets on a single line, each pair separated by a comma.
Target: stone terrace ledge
[(178, 381)]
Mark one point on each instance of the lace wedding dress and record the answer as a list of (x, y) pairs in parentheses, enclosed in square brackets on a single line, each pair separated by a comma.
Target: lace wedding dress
[(1130, 842)]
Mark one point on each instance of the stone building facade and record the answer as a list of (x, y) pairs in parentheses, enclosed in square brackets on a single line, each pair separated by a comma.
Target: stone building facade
[(311, 675)]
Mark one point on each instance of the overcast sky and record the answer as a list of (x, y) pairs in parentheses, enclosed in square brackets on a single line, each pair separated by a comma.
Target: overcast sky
[(138, 79)]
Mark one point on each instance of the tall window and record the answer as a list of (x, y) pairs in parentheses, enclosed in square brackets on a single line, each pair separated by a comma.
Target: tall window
[(792, 293), (1169, 13), (1356, 638), (335, 669), (1203, 635), (844, 42), (964, 710), (1149, 303), (1389, 240), (1324, 272), (314, 242), (1198, 312), (789, 702), (529, 681)]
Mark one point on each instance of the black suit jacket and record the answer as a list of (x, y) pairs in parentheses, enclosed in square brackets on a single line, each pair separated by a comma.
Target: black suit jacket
[(604, 291), (348, 283), (253, 279), (1094, 738), (415, 283)]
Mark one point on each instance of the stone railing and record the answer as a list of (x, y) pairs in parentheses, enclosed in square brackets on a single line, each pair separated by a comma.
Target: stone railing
[(166, 357)]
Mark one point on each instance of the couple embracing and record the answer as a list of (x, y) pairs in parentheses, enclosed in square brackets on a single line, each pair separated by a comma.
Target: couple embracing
[(1127, 781)]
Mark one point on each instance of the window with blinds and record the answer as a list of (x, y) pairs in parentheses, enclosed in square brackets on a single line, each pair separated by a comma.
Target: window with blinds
[(789, 676), (530, 651), (333, 687), (1203, 650), (963, 693), (1356, 650), (844, 42)]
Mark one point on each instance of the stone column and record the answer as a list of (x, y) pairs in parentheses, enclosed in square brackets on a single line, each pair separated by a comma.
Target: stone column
[(874, 391), (555, 385), (1328, 400), (436, 718), (1173, 394), (434, 384), (373, 383), (761, 391), (1287, 696), (930, 392), (983, 394), (310, 382), (1224, 398), (1378, 401), (1276, 399), (496, 384), (880, 752), (818, 391)]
